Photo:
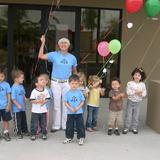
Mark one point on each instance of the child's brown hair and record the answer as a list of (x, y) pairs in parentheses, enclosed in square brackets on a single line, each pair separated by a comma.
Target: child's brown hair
[(16, 73)]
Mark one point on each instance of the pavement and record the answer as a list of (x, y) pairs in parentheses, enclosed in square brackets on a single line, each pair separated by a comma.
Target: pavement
[(98, 145)]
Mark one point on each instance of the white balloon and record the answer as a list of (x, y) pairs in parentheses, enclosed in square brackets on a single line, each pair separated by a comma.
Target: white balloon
[(129, 25), (111, 61), (104, 70)]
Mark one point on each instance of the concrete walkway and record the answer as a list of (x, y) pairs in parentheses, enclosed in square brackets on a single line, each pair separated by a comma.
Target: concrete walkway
[(98, 146)]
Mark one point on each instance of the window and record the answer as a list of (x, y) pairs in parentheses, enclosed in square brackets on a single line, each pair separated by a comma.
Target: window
[(98, 25), (3, 34)]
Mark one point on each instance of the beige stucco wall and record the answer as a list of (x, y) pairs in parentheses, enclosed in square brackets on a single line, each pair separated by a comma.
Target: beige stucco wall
[(132, 55)]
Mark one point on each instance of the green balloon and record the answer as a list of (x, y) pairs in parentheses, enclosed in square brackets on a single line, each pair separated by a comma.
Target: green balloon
[(114, 46), (152, 7)]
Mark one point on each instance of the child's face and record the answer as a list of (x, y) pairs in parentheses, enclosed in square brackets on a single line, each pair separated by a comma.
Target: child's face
[(137, 77), (115, 85), (20, 79), (2, 77), (81, 82), (41, 82), (74, 85), (97, 83)]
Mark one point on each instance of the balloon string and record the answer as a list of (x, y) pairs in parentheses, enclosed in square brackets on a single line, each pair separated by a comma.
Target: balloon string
[(149, 46), (132, 38), (104, 65), (49, 16), (154, 67), (83, 59), (110, 31), (51, 13), (127, 44)]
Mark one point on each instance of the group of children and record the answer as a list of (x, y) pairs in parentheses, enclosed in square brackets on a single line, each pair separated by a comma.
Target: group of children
[(76, 100)]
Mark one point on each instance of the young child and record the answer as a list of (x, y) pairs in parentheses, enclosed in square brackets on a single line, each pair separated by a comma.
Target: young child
[(39, 97), (136, 91), (115, 107), (74, 101), (5, 104), (83, 88), (93, 102), (18, 104), (47, 86)]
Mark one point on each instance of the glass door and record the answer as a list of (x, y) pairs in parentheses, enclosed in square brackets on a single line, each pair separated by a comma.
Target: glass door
[(28, 26)]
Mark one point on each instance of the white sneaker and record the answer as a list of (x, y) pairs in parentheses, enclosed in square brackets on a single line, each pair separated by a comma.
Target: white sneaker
[(81, 141), (67, 140)]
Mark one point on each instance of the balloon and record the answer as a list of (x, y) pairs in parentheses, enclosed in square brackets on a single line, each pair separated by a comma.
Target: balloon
[(129, 25), (152, 7), (114, 46), (133, 6), (103, 49)]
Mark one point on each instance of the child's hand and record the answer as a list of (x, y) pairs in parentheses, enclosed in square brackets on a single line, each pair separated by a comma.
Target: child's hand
[(138, 92), (85, 93), (42, 102), (25, 98), (19, 107), (102, 92), (122, 95), (73, 110), (7, 109)]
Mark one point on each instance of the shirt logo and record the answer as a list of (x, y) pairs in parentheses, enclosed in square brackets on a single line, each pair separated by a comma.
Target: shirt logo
[(64, 61), (1, 89), (74, 99)]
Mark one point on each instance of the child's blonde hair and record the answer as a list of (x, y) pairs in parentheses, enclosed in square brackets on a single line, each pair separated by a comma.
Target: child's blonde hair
[(16, 73), (93, 79), (83, 77)]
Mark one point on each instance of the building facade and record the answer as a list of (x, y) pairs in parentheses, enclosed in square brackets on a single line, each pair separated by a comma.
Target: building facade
[(85, 23)]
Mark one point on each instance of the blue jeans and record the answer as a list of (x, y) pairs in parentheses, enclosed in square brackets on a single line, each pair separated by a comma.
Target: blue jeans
[(92, 116)]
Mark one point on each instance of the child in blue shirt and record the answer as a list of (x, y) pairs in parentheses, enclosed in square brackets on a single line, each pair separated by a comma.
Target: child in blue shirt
[(5, 103), (74, 100), (18, 104)]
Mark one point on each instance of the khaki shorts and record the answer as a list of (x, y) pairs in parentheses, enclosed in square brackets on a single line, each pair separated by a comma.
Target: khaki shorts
[(115, 119)]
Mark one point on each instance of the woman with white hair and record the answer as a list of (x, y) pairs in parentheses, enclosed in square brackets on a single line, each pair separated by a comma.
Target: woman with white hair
[(63, 65)]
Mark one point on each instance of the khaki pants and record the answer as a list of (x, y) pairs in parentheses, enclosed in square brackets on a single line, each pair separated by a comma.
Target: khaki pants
[(115, 119)]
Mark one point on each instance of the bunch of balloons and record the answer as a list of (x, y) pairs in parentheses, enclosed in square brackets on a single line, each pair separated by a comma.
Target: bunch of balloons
[(152, 7), (104, 48)]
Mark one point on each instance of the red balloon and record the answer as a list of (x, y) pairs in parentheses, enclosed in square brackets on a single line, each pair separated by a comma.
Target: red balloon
[(133, 6)]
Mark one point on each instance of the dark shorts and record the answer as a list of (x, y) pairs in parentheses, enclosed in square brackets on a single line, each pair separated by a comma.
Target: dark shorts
[(5, 116)]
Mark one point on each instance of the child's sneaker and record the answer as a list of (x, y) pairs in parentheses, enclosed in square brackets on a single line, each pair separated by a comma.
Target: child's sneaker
[(81, 141), (7, 136), (116, 132), (135, 131), (67, 140), (89, 129), (110, 131), (33, 137), (125, 131), (20, 136), (26, 134), (94, 129), (44, 137)]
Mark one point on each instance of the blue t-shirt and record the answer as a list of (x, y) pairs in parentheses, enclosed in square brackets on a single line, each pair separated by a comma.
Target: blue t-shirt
[(18, 93), (62, 64), (74, 98), (4, 90)]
